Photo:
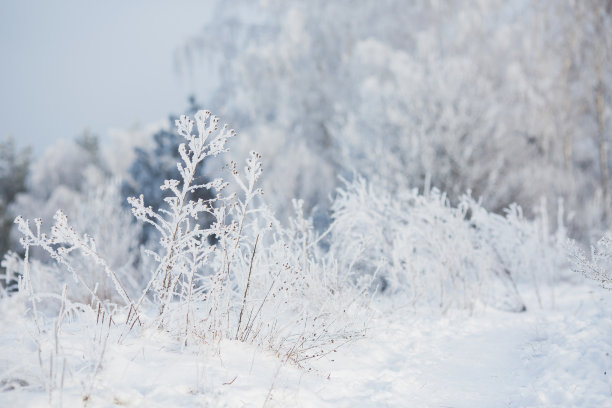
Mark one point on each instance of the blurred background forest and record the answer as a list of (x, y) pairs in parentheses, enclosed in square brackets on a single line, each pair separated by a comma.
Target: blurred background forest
[(508, 100)]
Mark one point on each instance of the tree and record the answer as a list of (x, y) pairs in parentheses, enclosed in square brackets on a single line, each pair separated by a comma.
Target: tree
[(61, 177), (509, 99), (14, 166)]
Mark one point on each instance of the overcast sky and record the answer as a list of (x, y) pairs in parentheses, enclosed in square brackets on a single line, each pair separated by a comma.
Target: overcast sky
[(71, 65)]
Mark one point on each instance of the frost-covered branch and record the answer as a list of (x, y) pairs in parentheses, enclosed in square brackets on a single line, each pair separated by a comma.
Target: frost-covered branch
[(64, 240), (599, 266)]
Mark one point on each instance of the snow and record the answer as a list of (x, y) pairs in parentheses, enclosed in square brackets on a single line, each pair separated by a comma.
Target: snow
[(548, 356), (409, 139)]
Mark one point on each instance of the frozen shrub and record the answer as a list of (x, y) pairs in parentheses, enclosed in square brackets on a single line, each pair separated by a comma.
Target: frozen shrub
[(184, 244), (419, 246), (101, 215), (292, 265), (61, 178), (416, 245), (599, 265), (258, 282), (96, 268), (527, 250)]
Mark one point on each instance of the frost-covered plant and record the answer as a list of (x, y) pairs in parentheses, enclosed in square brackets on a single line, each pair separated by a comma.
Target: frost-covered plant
[(301, 303), (98, 213), (184, 244), (101, 215), (417, 245), (436, 254), (60, 245), (102, 277), (155, 162), (599, 266), (257, 281), (527, 250)]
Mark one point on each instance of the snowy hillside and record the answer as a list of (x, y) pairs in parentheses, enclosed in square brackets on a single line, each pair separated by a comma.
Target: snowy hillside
[(553, 356)]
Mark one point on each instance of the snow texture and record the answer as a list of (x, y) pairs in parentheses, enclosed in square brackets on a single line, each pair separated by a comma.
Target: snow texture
[(544, 357)]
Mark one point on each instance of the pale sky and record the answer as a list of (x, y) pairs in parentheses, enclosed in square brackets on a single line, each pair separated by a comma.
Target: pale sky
[(71, 65)]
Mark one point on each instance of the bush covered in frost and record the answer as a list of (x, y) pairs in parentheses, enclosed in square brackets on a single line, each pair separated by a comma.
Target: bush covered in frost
[(419, 246), (598, 266)]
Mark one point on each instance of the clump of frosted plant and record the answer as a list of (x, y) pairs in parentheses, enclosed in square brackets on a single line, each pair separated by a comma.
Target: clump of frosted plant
[(259, 282), (103, 265), (526, 250), (101, 214), (599, 265), (242, 276), (294, 298), (418, 246), (186, 261), (60, 245)]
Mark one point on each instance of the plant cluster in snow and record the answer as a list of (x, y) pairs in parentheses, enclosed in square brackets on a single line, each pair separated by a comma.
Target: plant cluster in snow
[(242, 277), (246, 277), (421, 247)]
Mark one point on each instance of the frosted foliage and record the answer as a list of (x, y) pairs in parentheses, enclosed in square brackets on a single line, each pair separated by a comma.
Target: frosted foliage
[(99, 214), (527, 249), (242, 286), (103, 216), (59, 180), (65, 164), (509, 99), (420, 246), (119, 153), (598, 266), (414, 244), (290, 168)]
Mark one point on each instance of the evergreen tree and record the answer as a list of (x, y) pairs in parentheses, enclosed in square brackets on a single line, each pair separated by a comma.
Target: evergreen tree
[(14, 167)]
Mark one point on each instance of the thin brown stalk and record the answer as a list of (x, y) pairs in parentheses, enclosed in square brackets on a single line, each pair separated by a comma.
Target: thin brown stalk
[(246, 290)]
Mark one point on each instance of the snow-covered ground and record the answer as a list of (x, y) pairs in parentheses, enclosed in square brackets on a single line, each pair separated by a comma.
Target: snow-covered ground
[(550, 356), (544, 357)]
